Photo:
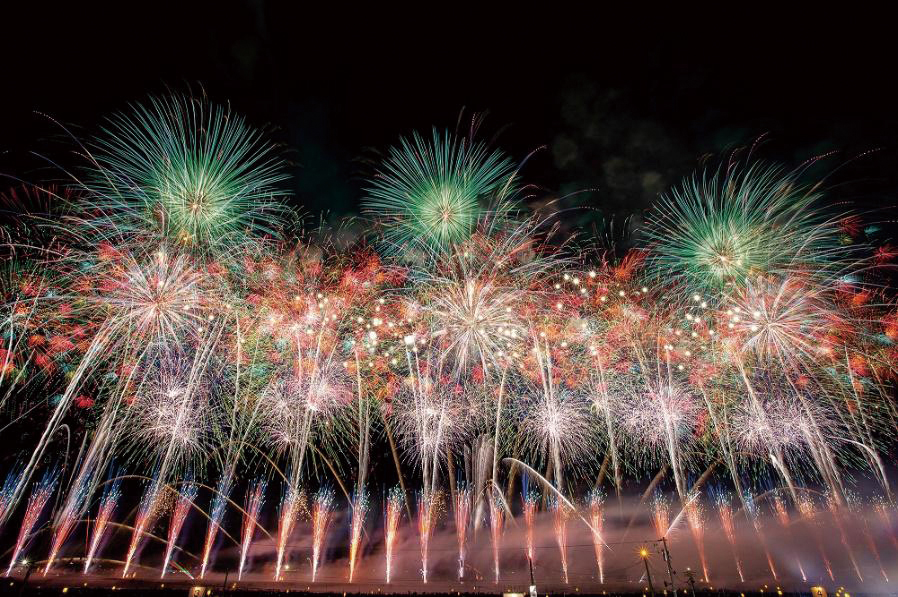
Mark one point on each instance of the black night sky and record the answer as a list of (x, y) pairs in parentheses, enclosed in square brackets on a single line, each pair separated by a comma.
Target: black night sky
[(624, 107)]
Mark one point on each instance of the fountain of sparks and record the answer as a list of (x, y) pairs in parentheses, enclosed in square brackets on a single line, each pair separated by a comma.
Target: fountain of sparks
[(725, 513), (184, 503), (428, 504), (359, 512), (809, 515), (560, 514), (255, 497), (108, 503), (497, 521), (40, 495), (66, 521), (596, 501), (696, 516), (392, 516), (216, 514), (530, 505), (292, 503), (462, 513), (322, 511), (150, 505), (782, 517)]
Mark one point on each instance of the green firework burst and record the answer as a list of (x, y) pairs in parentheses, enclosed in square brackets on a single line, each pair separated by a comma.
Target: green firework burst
[(186, 171), (432, 194), (714, 231)]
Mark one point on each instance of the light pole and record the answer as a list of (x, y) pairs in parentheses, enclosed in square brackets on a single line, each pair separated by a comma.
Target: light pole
[(644, 553), (669, 567), (691, 579), (29, 567)]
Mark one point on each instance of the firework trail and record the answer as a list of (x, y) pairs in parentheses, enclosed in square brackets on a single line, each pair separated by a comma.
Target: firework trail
[(530, 505), (782, 516), (7, 492), (561, 513), (322, 511), (292, 503), (40, 495), (179, 514), (147, 512), (596, 501), (111, 495), (497, 520), (809, 515), (696, 516), (462, 513), (393, 514), (66, 521), (255, 498), (359, 512), (216, 513), (97, 346), (836, 511), (428, 505), (725, 512)]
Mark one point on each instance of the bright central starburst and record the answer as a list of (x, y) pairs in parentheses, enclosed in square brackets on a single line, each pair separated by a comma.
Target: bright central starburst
[(430, 195)]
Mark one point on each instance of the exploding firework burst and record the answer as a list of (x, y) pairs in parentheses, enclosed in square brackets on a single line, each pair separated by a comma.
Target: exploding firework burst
[(716, 230), (183, 171), (431, 194)]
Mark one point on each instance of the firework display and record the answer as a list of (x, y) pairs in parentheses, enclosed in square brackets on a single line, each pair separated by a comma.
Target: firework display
[(109, 501), (179, 514), (179, 321), (392, 515)]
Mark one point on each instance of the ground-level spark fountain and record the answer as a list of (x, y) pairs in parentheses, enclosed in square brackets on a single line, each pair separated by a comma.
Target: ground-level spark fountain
[(497, 521), (216, 514), (427, 513), (322, 511), (255, 497), (40, 495), (725, 513), (148, 511), (596, 501), (462, 514), (395, 502), (289, 510), (183, 504), (108, 504), (560, 514), (695, 515), (357, 525)]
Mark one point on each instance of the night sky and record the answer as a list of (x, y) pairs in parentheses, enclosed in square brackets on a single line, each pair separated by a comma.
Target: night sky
[(622, 107)]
